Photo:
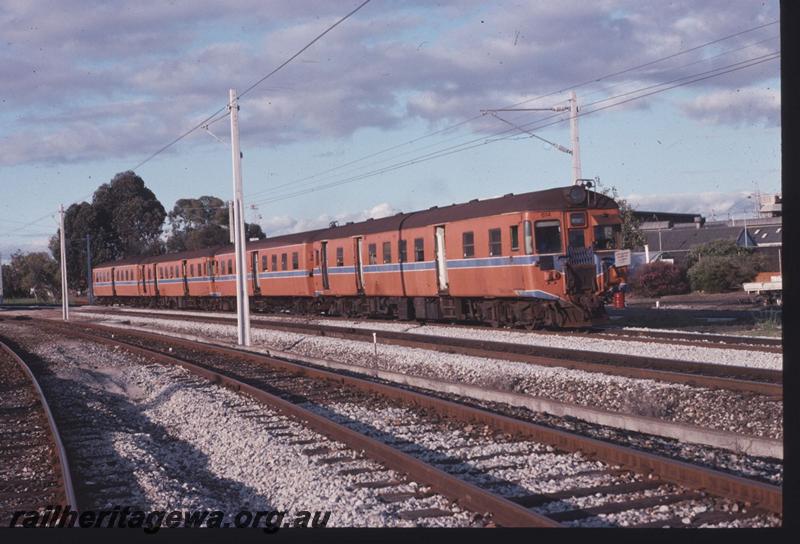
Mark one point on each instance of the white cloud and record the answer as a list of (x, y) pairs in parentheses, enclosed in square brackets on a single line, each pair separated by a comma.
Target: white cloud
[(706, 203), (737, 107), (390, 63), (284, 224)]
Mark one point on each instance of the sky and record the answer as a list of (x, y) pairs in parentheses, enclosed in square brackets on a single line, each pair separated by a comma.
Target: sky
[(679, 104)]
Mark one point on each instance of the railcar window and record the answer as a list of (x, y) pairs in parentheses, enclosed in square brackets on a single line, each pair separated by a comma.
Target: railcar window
[(387, 252), (263, 262), (191, 269), (548, 236), (295, 260), (339, 256), (275, 262), (402, 251), (514, 237), (577, 219), (468, 244), (607, 236), (372, 253), (419, 249), (284, 261), (316, 257), (576, 238), (495, 243)]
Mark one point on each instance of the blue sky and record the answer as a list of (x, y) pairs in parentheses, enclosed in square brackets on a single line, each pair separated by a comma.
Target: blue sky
[(90, 89)]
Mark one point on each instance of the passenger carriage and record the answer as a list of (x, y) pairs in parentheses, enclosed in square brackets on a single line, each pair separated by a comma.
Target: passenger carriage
[(539, 258)]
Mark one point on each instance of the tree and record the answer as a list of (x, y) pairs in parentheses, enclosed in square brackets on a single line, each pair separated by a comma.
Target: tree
[(198, 223), (632, 236), (124, 219), (32, 274)]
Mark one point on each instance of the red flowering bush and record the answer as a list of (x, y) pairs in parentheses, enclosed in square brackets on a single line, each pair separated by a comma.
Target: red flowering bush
[(658, 279)]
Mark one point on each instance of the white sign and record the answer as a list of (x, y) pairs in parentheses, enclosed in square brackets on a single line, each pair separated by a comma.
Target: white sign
[(622, 257)]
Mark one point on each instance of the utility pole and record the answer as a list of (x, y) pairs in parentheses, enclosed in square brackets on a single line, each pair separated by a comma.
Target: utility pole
[(573, 129), (242, 298), (1, 278), (64, 292), (89, 286), (577, 177)]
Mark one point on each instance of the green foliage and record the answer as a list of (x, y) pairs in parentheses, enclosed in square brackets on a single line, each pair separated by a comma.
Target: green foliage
[(202, 222), (716, 274), (658, 279), (632, 236), (33, 274), (717, 248), (124, 219)]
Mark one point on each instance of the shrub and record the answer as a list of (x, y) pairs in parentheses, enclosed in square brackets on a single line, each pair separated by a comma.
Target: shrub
[(658, 279), (718, 274), (716, 248)]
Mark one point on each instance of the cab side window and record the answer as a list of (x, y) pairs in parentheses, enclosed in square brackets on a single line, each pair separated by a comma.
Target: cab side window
[(548, 236)]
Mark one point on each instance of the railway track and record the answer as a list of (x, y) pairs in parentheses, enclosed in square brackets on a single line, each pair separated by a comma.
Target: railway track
[(34, 471), (770, 345), (736, 378), (645, 481)]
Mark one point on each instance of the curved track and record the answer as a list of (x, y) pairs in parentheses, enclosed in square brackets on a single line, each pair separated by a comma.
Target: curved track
[(34, 471), (254, 373)]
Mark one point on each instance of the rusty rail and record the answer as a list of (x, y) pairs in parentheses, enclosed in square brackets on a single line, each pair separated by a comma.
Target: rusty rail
[(64, 475), (734, 378), (678, 472)]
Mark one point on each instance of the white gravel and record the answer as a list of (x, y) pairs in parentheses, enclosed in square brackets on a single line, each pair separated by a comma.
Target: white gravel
[(187, 444), (718, 409), (660, 350)]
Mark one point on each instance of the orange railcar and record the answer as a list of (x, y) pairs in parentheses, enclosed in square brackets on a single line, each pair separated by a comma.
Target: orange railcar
[(540, 258)]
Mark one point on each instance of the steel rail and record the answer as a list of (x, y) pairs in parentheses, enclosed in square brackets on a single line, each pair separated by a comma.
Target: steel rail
[(469, 496), (733, 378), (681, 473), (64, 475)]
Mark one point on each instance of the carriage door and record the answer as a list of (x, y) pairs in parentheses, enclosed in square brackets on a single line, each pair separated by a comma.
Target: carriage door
[(155, 279), (185, 279), (441, 260), (114, 281), (254, 267), (144, 279), (324, 265), (359, 264)]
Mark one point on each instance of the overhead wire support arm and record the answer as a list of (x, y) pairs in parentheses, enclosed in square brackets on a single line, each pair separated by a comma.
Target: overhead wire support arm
[(532, 135)]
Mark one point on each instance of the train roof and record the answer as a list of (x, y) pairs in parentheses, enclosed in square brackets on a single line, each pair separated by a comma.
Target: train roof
[(549, 199)]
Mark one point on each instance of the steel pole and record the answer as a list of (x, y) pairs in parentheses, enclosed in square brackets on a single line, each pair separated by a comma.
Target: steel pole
[(1, 278), (576, 146), (89, 285), (242, 298), (64, 291)]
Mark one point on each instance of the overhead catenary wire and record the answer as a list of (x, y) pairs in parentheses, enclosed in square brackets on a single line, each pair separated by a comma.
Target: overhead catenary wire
[(484, 140), (208, 120), (295, 182)]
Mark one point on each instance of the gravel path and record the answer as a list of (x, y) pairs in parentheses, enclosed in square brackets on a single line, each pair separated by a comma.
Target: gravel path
[(177, 442), (718, 409)]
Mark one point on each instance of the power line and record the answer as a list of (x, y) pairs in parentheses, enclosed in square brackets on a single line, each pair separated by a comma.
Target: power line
[(208, 120), (483, 141), (461, 123)]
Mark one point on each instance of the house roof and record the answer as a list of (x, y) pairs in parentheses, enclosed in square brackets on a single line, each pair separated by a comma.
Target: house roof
[(684, 239)]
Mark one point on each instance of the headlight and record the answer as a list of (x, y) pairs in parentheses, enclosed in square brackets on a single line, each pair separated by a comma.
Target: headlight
[(576, 195)]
